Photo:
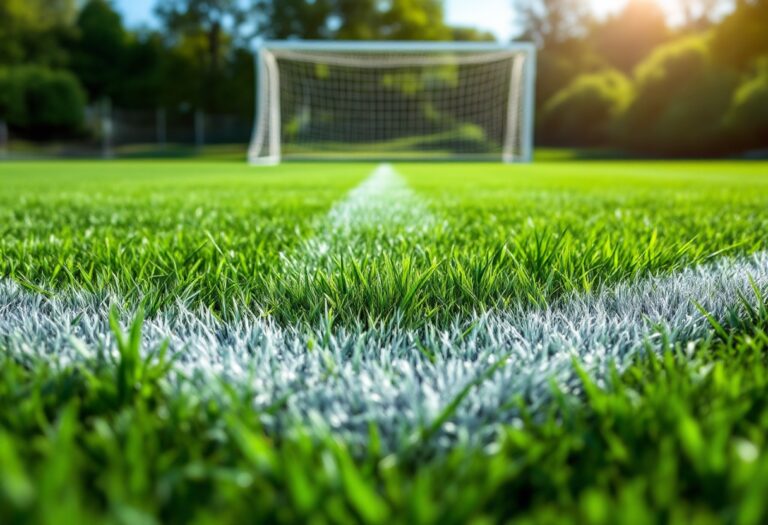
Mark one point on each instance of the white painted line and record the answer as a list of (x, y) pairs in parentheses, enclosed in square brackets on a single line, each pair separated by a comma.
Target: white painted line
[(344, 381), (377, 212)]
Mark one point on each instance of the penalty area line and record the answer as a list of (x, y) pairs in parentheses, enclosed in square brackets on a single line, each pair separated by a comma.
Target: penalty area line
[(348, 380)]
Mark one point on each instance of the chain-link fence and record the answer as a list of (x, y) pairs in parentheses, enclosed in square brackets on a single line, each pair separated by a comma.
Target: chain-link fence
[(111, 132)]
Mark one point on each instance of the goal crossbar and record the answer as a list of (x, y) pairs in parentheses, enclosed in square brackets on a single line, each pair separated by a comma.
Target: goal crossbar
[(304, 88), (411, 47)]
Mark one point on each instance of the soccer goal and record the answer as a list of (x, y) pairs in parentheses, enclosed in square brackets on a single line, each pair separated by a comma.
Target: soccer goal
[(393, 100)]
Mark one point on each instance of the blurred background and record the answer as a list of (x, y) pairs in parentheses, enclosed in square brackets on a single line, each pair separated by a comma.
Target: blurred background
[(682, 78)]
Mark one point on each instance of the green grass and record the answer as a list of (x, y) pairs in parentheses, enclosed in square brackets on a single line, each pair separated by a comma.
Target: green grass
[(677, 438), (212, 234)]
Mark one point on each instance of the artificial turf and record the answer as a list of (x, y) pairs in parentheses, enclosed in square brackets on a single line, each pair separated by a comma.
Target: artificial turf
[(679, 435)]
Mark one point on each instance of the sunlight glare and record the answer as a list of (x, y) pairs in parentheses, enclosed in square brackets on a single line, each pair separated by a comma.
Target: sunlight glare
[(604, 7)]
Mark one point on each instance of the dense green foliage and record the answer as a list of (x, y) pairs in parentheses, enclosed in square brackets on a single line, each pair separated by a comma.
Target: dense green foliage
[(678, 438), (748, 117), (585, 112), (199, 58), (682, 98), (741, 38), (357, 20), (685, 78), (99, 54), (31, 31), (41, 101), (630, 36)]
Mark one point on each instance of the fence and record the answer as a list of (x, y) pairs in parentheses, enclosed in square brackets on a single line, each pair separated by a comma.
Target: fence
[(118, 132)]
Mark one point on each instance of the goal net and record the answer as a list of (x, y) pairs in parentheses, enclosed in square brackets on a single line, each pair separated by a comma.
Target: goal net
[(393, 100)]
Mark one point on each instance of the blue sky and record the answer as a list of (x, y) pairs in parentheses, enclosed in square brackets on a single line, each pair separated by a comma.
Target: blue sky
[(493, 15)]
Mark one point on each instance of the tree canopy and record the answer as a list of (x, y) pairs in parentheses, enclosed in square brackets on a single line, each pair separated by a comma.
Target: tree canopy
[(635, 80)]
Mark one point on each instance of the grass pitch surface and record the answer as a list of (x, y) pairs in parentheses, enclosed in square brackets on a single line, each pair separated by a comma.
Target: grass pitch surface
[(349, 342)]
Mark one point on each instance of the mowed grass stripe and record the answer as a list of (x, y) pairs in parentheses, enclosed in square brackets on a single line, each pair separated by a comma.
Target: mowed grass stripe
[(455, 385), (377, 213)]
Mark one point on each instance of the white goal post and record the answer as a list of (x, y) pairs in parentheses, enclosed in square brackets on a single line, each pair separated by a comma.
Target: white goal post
[(393, 100)]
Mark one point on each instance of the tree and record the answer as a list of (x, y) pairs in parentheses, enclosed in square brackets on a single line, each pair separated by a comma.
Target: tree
[(353, 19), (205, 32), (682, 97), (551, 23), (747, 119), (100, 50), (214, 19), (145, 81), (558, 28), (741, 38), (413, 20), (627, 38), (471, 34), (32, 31), (357, 19), (295, 18), (698, 14), (585, 112), (39, 102)]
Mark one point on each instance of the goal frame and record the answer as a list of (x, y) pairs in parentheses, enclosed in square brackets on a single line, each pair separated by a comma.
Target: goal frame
[(267, 109)]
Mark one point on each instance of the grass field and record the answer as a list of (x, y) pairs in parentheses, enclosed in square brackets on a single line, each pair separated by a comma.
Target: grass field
[(576, 342)]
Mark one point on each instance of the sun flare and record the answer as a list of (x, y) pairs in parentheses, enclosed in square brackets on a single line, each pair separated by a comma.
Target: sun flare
[(604, 7)]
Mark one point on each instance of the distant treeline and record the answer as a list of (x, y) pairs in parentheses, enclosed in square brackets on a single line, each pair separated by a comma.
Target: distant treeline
[(634, 83), (629, 82)]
